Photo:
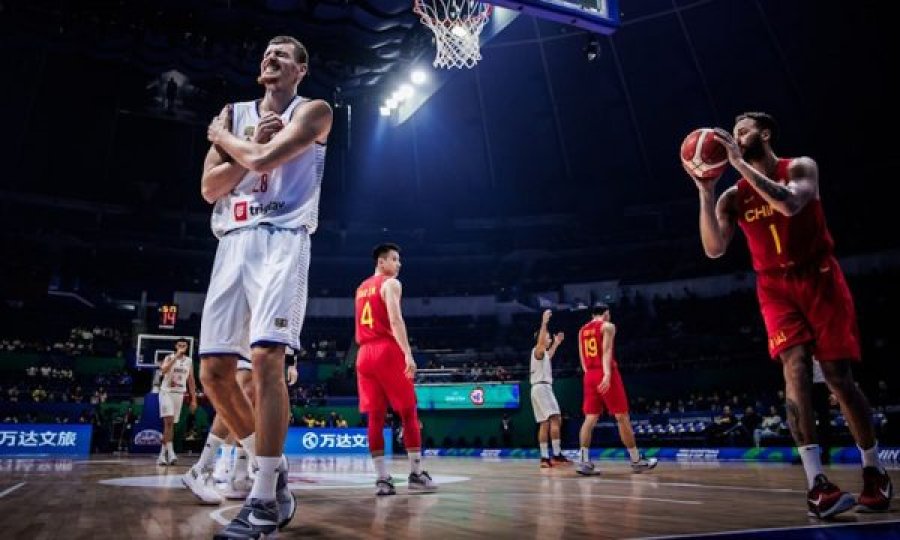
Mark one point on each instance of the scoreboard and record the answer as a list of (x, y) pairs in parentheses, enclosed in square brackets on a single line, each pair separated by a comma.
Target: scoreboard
[(168, 316)]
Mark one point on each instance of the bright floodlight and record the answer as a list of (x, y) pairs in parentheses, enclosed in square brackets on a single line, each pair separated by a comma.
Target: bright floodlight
[(459, 31), (406, 91), (418, 76), (384, 111), (391, 103)]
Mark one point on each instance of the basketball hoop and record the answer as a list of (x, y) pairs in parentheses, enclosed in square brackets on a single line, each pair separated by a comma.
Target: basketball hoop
[(457, 26)]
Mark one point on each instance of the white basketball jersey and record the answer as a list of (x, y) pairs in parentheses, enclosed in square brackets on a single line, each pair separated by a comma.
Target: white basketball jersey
[(541, 370), (286, 197), (176, 379)]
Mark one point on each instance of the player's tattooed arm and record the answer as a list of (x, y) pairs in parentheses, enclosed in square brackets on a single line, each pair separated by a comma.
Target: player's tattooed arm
[(790, 198)]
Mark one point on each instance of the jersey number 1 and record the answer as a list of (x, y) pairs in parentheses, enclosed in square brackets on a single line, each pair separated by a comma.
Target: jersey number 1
[(776, 238), (365, 318)]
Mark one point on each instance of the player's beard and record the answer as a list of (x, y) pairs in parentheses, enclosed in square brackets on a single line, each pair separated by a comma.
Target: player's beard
[(754, 150)]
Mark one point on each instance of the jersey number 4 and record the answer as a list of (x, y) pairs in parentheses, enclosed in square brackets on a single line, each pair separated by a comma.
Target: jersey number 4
[(365, 318)]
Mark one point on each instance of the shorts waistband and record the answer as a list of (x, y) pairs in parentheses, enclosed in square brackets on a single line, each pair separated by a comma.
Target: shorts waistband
[(541, 382), (265, 225)]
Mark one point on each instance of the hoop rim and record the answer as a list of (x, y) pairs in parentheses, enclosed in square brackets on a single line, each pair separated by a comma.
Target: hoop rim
[(484, 15)]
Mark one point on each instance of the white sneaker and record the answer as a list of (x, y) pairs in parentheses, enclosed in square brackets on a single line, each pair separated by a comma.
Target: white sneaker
[(236, 488), (201, 485), (163, 459), (223, 468), (586, 468), (173, 459)]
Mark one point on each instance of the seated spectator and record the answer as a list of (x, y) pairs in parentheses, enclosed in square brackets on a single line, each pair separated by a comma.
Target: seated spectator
[(11, 419), (39, 395), (309, 420), (31, 371), (771, 426), (341, 422), (13, 394), (77, 395), (320, 422), (332, 420)]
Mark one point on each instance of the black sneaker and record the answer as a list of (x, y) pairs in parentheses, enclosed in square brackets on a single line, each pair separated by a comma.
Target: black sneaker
[(560, 459), (284, 497), (256, 518), (421, 482), (384, 487)]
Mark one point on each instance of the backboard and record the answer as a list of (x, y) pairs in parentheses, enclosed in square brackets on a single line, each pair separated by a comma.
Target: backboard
[(152, 349), (600, 16)]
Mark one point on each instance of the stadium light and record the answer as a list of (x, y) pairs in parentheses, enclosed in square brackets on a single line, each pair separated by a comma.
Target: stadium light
[(418, 76)]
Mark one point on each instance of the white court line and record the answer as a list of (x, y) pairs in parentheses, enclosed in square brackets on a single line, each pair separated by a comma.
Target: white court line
[(770, 529), (9, 490), (89, 462), (543, 496), (701, 486)]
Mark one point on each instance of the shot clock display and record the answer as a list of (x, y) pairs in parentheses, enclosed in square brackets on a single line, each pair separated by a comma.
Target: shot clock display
[(168, 315)]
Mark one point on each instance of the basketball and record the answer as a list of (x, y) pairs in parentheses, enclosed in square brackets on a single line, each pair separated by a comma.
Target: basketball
[(703, 155)]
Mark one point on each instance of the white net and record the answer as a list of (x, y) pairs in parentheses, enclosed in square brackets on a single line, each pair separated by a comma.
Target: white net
[(457, 26)]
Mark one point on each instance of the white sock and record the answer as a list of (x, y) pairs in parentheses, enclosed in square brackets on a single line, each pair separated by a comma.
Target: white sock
[(208, 455), (227, 451), (634, 454), (170, 448), (870, 457), (380, 466), (545, 452), (248, 443), (812, 462), (264, 485), (162, 452), (584, 455), (557, 447), (240, 470), (415, 462)]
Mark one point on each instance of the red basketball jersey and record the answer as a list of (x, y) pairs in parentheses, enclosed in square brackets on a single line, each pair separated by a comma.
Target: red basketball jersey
[(590, 341), (372, 322), (777, 241)]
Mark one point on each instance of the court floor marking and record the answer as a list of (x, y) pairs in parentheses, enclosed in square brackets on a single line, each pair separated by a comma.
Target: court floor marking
[(770, 529), (9, 490), (653, 483)]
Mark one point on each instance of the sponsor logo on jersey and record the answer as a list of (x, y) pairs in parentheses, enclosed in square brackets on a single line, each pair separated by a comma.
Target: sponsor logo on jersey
[(281, 322), (248, 132), (240, 211), (476, 396)]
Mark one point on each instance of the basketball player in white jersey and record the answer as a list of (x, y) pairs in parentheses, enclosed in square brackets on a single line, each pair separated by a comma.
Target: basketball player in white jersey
[(266, 195), (543, 401), (177, 378)]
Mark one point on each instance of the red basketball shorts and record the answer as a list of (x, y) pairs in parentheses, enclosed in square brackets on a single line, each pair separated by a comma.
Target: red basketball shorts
[(614, 400), (810, 306), (381, 378)]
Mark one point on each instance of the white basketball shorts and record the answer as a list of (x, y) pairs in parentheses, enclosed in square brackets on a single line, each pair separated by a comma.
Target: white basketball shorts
[(543, 402), (170, 404), (257, 291)]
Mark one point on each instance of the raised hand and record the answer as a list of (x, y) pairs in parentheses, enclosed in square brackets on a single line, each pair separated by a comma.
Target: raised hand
[(731, 146)]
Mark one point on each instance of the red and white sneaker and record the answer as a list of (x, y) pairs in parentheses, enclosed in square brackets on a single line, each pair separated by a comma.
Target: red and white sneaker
[(826, 500), (877, 491)]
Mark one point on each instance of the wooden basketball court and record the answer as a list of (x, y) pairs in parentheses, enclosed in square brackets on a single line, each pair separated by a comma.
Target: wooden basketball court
[(130, 497)]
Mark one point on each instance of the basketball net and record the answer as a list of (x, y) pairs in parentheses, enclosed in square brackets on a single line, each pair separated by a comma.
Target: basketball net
[(457, 26)]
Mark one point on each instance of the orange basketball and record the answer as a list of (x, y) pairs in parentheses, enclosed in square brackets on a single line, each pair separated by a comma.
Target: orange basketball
[(703, 155)]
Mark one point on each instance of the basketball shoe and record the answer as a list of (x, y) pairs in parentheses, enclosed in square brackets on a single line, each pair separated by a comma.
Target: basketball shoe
[(546, 463), (223, 467), (163, 458), (385, 486), (643, 464), (877, 491), (421, 482), (284, 497), (237, 484), (256, 519), (560, 459), (826, 499), (202, 485), (586, 468)]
